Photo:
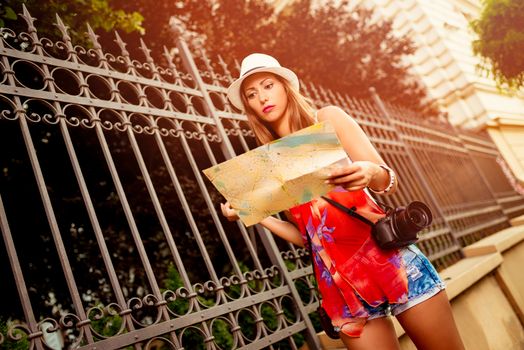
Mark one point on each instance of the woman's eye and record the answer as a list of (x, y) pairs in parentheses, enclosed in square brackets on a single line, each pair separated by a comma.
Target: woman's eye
[(269, 86), (250, 95)]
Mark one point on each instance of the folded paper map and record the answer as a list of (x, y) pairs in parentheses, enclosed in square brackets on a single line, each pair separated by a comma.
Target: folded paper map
[(279, 175)]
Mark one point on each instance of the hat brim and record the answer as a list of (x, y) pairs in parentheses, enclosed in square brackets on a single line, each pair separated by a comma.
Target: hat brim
[(234, 93)]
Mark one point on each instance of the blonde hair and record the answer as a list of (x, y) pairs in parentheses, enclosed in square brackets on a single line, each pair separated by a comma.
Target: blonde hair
[(300, 109)]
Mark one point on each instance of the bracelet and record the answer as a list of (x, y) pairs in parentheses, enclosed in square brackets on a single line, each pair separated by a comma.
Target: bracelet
[(392, 177)]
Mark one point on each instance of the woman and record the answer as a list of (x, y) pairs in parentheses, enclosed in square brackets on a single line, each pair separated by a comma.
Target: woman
[(360, 283)]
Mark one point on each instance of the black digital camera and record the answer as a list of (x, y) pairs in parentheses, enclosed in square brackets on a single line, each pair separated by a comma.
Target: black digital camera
[(401, 225)]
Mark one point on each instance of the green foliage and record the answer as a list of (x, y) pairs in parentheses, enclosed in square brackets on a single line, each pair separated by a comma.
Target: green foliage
[(8, 343), (500, 43), (6, 13), (222, 334), (108, 325), (339, 47), (105, 17), (315, 320), (78, 235), (75, 14), (193, 339), (348, 51), (173, 282)]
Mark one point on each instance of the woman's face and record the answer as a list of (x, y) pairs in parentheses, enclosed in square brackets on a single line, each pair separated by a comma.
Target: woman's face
[(266, 96)]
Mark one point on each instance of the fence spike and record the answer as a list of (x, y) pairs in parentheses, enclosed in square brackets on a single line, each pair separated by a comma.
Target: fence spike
[(208, 65), (146, 51), (149, 59), (93, 37), (30, 20), (223, 65), (170, 58), (237, 65), (96, 46), (167, 54), (127, 58), (121, 44), (341, 100), (64, 29), (31, 30)]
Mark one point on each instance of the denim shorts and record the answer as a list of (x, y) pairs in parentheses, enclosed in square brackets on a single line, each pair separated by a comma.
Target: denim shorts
[(423, 283)]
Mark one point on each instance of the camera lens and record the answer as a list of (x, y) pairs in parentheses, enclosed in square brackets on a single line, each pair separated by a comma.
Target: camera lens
[(410, 220), (418, 214), (418, 217)]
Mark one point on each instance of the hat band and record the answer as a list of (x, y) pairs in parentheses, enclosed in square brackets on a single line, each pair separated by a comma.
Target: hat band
[(252, 69)]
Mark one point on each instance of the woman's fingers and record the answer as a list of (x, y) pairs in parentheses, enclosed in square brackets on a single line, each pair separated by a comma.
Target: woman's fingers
[(355, 177), (228, 212), (355, 188), (352, 177), (226, 209), (344, 170)]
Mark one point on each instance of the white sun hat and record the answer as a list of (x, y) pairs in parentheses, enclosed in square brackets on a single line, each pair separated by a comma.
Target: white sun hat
[(255, 63)]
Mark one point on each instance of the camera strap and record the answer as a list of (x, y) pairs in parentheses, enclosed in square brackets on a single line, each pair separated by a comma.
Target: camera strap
[(351, 211), (325, 320), (312, 261)]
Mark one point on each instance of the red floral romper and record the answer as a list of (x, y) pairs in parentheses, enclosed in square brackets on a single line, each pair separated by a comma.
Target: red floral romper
[(352, 273)]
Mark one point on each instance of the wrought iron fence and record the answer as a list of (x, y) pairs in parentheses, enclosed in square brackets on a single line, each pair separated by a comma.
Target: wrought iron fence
[(111, 234)]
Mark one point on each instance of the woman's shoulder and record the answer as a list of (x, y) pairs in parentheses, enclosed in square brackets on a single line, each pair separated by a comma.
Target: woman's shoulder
[(334, 114)]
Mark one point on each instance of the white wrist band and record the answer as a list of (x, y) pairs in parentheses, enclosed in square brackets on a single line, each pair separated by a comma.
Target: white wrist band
[(392, 177)]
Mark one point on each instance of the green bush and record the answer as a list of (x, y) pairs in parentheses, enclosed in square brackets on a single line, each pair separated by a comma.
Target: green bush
[(108, 325), (9, 344), (193, 339)]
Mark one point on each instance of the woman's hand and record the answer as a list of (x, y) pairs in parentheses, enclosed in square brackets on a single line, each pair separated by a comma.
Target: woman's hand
[(355, 176), (364, 171), (283, 229), (228, 212)]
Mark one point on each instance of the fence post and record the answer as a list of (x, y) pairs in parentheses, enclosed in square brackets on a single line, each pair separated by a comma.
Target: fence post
[(266, 237), (190, 65), (274, 254), (477, 167), (418, 170)]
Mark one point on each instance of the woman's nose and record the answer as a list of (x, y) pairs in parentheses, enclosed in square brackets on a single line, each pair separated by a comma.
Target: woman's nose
[(263, 97)]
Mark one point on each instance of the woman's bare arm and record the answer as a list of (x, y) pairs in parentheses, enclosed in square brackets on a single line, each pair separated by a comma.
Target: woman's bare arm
[(281, 228), (365, 170)]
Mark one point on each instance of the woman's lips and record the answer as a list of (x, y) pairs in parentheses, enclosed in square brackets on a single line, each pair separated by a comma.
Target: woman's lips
[(267, 109)]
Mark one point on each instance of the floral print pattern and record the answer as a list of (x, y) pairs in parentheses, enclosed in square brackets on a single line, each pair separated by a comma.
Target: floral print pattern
[(353, 274)]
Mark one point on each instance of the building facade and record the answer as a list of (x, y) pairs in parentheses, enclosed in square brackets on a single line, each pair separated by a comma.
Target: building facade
[(445, 60), (445, 63)]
